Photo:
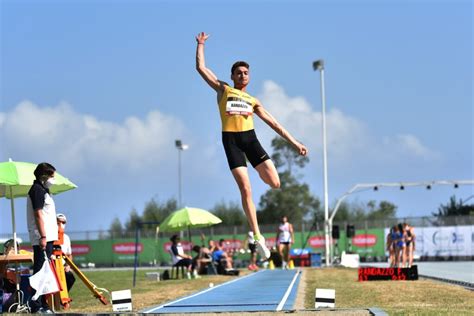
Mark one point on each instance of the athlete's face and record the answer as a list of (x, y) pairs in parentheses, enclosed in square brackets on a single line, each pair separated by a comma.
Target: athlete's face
[(240, 77)]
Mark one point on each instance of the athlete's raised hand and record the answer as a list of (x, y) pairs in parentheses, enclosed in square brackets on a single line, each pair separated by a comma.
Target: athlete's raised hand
[(202, 37), (302, 150)]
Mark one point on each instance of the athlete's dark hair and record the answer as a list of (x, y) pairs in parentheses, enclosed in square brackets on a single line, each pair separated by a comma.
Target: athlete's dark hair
[(44, 169), (239, 64)]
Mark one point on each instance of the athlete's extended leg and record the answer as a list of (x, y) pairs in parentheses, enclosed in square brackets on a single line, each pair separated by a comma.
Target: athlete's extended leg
[(241, 176), (268, 173)]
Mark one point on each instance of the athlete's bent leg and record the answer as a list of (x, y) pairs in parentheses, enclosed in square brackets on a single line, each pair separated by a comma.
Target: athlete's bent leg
[(241, 176), (268, 173)]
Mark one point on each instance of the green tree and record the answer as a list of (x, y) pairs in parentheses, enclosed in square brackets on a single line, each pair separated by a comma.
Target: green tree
[(357, 211), (284, 155), (454, 208), (132, 222), (116, 228), (293, 199), (385, 210), (230, 214), (156, 212)]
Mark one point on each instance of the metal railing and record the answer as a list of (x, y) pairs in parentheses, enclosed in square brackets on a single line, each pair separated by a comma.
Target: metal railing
[(269, 230)]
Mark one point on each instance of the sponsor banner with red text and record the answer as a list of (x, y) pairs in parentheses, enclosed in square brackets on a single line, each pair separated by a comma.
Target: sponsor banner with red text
[(127, 248), (368, 242), (80, 249)]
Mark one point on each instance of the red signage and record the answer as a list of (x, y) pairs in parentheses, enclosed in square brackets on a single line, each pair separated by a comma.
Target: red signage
[(126, 248), (318, 241), (364, 240), (376, 274), (78, 249)]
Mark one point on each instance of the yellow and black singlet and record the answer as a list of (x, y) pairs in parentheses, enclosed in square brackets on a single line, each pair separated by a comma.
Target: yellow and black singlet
[(238, 135), (236, 109)]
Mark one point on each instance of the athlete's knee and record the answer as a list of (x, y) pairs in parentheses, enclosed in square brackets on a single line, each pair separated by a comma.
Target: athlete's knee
[(275, 183), (245, 190)]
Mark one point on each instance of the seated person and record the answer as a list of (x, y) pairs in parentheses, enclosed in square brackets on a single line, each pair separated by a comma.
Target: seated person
[(219, 255), (66, 248), (8, 277), (180, 259), (200, 261)]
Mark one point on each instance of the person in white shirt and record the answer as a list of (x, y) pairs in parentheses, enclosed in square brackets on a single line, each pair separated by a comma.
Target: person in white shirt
[(285, 238), (41, 221), (180, 259)]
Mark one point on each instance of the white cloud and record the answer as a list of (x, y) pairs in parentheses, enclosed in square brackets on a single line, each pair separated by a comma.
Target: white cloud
[(76, 140), (407, 144), (348, 137)]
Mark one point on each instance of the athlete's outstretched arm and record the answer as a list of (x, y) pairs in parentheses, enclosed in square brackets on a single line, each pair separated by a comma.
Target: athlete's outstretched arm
[(277, 127), (205, 72)]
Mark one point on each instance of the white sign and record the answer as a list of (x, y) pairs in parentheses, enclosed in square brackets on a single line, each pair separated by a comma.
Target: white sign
[(122, 301), (235, 106), (350, 260), (325, 298)]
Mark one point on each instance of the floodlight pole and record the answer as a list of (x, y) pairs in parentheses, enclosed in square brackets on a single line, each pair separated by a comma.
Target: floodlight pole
[(319, 65), (180, 146)]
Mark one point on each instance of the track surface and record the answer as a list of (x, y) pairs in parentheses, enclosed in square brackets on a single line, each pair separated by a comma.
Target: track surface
[(266, 290)]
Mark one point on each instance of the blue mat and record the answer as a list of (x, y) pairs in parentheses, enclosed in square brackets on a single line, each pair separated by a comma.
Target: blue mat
[(266, 290)]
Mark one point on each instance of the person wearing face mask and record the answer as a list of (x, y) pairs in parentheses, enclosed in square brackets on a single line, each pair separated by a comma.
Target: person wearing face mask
[(41, 222), (66, 249)]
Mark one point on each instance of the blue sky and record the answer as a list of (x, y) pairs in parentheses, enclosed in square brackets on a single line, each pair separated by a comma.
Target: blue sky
[(101, 89)]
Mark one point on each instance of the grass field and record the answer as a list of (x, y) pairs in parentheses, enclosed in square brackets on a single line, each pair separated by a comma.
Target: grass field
[(422, 297)]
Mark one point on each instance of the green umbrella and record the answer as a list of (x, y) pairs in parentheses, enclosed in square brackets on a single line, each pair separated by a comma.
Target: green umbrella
[(16, 178), (188, 217)]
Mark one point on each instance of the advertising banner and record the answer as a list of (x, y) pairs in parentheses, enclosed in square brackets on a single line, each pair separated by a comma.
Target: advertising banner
[(368, 242), (445, 241)]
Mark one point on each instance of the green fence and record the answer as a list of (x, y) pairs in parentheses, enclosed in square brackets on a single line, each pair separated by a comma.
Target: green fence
[(155, 251)]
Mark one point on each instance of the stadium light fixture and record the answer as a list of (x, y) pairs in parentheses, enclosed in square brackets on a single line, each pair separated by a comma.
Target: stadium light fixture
[(180, 146), (318, 65), (360, 187)]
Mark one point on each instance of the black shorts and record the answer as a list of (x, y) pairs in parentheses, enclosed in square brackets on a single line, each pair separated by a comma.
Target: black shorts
[(239, 145), (252, 247)]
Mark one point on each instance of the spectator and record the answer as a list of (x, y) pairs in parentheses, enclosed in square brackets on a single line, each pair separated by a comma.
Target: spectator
[(42, 226), (201, 260), (400, 246), (410, 243), (180, 259), (391, 246), (66, 250), (285, 238), (219, 255), (7, 278)]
